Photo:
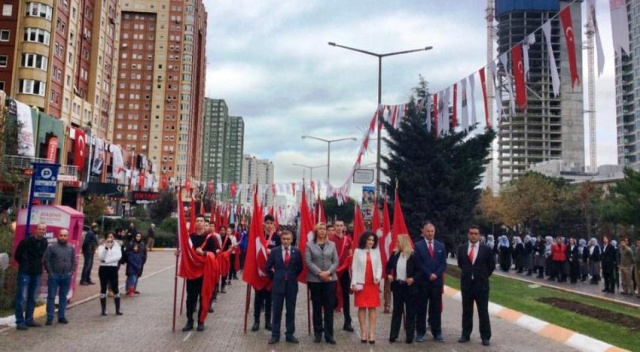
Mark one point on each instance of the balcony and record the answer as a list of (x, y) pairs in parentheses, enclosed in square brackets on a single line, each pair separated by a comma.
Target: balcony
[(23, 165)]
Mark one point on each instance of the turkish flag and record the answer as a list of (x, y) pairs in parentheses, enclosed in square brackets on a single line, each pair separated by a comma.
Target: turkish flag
[(234, 190), (187, 185), (385, 239), (435, 113), (79, 149), (517, 66), (358, 222), (483, 84), (164, 183), (306, 232), (210, 187), (321, 215), (399, 226), (567, 26), (256, 258), (454, 117), (141, 178)]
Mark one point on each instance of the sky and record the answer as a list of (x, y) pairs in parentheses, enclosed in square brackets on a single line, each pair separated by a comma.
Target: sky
[(270, 61)]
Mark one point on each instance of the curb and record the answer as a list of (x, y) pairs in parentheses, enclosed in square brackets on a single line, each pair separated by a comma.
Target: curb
[(551, 331)]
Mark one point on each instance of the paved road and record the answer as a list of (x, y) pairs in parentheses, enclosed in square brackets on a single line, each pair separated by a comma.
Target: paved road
[(146, 326)]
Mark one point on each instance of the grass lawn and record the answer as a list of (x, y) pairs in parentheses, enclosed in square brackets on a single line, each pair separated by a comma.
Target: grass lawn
[(519, 296)]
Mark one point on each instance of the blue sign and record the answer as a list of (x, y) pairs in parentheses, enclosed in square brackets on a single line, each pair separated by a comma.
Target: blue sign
[(45, 181)]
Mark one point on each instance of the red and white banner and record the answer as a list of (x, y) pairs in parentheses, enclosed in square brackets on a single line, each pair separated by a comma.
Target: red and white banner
[(567, 26), (517, 66), (483, 83), (79, 148), (52, 149)]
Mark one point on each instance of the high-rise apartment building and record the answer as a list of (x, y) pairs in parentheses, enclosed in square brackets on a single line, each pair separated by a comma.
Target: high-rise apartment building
[(628, 93), (257, 172), (551, 128), (216, 113), (233, 151), (58, 56), (161, 77)]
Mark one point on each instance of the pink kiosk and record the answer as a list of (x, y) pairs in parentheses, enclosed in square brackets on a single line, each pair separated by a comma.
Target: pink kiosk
[(56, 217)]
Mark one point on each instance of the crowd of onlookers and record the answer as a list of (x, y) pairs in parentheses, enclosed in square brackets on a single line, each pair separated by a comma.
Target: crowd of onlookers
[(572, 260)]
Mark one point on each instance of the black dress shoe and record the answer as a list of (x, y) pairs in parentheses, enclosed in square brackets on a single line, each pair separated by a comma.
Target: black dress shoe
[(347, 327), (372, 342), (63, 321), (188, 326), (255, 327), (274, 340), (22, 327), (49, 322), (267, 326), (200, 327), (210, 310), (392, 339), (486, 343), (292, 339), (317, 339), (33, 324), (409, 341), (331, 341), (463, 339)]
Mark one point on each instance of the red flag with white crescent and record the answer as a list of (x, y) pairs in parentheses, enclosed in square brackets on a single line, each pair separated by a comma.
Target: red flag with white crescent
[(518, 73), (435, 113), (256, 258), (79, 148), (385, 239), (483, 84), (567, 26), (454, 117), (306, 232), (399, 226)]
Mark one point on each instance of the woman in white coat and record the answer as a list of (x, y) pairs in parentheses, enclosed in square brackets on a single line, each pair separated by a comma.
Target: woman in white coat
[(365, 279)]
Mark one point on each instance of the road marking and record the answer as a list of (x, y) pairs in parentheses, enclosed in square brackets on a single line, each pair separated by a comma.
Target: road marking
[(187, 337)]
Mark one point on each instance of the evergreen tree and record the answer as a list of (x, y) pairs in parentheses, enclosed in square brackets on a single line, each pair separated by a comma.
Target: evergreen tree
[(437, 177)]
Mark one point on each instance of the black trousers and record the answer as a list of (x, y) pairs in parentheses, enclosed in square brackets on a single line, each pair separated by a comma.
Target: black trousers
[(345, 284), (430, 297), (262, 298), (403, 302), (480, 296), (558, 270), (108, 275), (288, 300), (574, 270), (323, 297), (194, 290), (232, 266), (607, 275)]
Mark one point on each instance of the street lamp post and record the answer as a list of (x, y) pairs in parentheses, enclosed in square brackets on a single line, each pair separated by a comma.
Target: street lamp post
[(329, 141), (310, 169), (379, 56)]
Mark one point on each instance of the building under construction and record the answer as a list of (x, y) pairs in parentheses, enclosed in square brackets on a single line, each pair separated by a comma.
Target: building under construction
[(551, 128)]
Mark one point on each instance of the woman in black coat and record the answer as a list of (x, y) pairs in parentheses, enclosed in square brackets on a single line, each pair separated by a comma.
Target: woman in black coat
[(400, 270)]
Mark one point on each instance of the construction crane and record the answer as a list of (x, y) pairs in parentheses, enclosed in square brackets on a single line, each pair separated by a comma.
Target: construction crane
[(491, 32), (591, 87)]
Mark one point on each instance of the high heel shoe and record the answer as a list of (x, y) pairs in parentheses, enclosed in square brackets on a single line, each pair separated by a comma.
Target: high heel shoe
[(372, 342), (363, 341)]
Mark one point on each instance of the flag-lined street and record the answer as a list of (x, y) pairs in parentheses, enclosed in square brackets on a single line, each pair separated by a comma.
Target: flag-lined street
[(146, 326)]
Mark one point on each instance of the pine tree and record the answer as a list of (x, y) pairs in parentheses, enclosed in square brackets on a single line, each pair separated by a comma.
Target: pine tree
[(437, 177)]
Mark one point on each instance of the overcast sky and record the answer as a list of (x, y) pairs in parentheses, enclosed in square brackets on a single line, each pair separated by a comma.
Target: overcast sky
[(271, 63)]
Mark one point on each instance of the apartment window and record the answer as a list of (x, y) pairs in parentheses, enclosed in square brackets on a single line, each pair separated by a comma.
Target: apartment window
[(5, 35), (34, 61), (27, 86), (1, 85), (7, 10), (36, 9), (37, 35), (4, 59)]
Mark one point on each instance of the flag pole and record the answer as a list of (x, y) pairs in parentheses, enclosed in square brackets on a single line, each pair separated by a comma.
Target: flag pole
[(175, 295), (246, 307)]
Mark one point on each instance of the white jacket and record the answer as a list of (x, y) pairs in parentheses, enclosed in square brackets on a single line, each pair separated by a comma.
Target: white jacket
[(359, 266), (109, 257)]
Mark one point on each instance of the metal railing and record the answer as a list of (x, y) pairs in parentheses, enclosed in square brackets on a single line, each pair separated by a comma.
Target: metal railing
[(19, 162)]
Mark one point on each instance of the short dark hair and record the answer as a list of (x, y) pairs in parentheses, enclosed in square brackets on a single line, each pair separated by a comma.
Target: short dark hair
[(222, 227), (287, 232), (475, 227), (362, 240), (200, 216), (427, 222), (269, 217)]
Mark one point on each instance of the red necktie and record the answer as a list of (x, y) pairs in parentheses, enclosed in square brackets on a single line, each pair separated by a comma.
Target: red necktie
[(430, 249), (286, 257), (471, 253)]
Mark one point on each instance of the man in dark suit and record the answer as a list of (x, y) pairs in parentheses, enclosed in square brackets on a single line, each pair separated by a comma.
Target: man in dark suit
[(609, 260), (431, 258), (477, 262), (283, 267)]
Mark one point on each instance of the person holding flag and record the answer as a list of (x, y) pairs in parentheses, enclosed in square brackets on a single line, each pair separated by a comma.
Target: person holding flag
[(344, 246), (262, 297), (203, 245)]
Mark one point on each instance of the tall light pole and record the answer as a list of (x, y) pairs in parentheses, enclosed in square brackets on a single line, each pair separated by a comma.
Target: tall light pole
[(329, 141), (379, 56), (310, 169)]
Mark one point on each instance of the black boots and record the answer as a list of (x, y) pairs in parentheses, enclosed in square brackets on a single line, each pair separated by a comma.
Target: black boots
[(103, 305), (117, 302)]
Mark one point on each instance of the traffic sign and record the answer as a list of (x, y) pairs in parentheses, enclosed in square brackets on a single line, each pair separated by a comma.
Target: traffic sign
[(45, 181)]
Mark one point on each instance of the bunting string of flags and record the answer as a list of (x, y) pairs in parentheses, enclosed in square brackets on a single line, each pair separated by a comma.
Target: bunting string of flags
[(512, 75)]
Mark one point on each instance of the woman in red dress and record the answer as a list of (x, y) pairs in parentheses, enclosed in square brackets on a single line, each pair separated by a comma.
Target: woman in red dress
[(365, 280)]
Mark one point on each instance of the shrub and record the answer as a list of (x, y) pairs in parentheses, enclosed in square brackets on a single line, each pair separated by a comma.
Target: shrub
[(165, 239), (169, 225), (7, 278)]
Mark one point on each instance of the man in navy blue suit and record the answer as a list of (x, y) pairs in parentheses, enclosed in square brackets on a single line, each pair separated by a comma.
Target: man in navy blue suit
[(283, 267), (432, 261)]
